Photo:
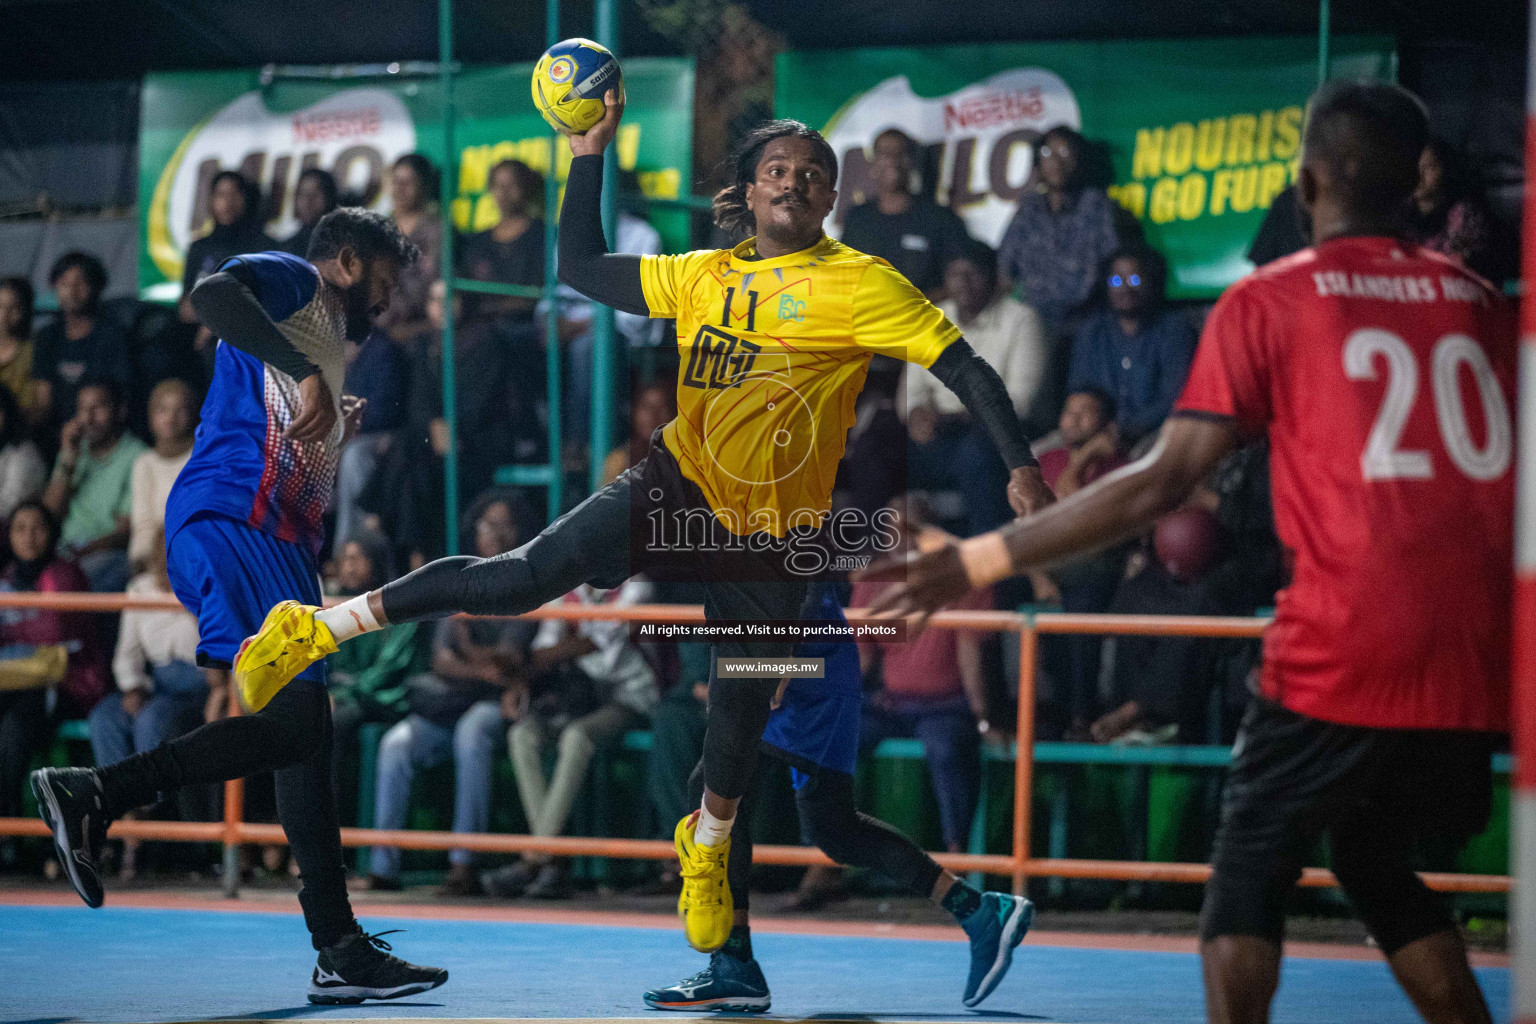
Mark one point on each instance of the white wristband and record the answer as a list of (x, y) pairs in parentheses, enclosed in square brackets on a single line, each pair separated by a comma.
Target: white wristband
[(986, 559)]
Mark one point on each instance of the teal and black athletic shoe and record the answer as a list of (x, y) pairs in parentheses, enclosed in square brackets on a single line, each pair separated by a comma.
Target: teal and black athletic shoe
[(726, 984), (995, 930)]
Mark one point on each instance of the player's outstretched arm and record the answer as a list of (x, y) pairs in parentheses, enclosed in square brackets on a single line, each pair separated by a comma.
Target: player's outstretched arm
[(1120, 505), (985, 397), (585, 262)]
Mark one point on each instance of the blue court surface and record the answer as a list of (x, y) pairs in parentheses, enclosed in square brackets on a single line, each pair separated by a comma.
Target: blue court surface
[(62, 964)]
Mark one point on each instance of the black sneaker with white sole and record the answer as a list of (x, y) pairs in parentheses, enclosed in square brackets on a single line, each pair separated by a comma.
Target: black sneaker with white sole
[(359, 967), (70, 801)]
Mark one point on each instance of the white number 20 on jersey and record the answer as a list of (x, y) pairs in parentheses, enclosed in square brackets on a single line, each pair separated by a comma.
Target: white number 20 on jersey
[(1382, 458)]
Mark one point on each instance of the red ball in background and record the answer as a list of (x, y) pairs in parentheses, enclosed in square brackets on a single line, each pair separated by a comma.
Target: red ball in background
[(1188, 543)]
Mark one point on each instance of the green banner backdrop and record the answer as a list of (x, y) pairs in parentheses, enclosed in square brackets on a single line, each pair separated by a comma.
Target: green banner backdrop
[(197, 123), (1200, 134)]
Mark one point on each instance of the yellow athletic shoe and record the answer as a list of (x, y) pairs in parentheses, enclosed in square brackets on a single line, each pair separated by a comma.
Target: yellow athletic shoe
[(289, 641), (705, 906)]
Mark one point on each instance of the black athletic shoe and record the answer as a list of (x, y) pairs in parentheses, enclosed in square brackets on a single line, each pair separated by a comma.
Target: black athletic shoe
[(70, 802), (358, 967)]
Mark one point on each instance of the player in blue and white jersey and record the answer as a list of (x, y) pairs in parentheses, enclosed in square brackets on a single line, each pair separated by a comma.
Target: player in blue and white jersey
[(243, 533)]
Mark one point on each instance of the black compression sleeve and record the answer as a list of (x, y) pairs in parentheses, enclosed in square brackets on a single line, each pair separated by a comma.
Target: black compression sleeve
[(981, 390), (228, 307), (585, 262)]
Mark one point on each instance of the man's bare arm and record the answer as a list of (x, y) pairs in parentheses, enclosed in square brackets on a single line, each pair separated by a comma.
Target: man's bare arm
[(1125, 502)]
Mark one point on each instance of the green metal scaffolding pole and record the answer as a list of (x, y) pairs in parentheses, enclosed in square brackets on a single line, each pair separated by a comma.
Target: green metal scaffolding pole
[(606, 28), (1324, 29), (552, 390), (449, 187)]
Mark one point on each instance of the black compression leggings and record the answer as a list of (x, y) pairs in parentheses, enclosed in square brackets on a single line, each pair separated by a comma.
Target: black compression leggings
[(290, 737), (591, 544), (830, 821)]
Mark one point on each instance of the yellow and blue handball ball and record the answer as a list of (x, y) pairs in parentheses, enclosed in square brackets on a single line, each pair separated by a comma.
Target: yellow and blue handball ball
[(569, 82)]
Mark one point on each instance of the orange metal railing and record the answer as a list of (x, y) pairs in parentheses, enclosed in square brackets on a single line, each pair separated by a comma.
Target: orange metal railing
[(1018, 863)]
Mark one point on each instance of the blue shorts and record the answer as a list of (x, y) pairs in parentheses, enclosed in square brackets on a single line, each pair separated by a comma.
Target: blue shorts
[(230, 575), (816, 726)]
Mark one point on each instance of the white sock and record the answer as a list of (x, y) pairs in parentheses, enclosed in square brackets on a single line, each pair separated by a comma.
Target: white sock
[(712, 831), (351, 618)]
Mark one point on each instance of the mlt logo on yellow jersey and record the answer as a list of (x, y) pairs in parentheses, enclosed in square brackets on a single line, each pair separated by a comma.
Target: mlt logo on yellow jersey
[(774, 354)]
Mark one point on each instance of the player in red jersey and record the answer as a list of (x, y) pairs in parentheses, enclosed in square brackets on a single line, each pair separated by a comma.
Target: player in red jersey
[(1383, 375)]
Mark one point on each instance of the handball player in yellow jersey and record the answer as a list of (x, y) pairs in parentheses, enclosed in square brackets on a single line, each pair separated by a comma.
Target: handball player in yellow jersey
[(775, 337)]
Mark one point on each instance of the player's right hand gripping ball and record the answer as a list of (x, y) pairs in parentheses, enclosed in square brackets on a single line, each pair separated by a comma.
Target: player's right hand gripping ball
[(569, 82)]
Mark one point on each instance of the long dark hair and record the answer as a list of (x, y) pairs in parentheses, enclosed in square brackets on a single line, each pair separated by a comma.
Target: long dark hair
[(730, 205), (328, 187), (253, 216), (27, 298), (529, 182), (426, 173)]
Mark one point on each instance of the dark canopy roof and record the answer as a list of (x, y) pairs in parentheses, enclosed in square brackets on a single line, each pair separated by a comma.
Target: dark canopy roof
[(814, 24), (57, 39)]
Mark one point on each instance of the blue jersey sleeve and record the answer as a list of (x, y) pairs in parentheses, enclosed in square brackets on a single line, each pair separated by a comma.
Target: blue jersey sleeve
[(282, 282)]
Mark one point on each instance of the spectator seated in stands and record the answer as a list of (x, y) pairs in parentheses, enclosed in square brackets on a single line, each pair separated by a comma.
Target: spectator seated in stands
[(677, 739), (91, 486), (512, 250), (314, 196), (457, 711), (909, 231), (1061, 234), (947, 450), (1164, 682), (50, 663), (171, 418), (1089, 448), (406, 489), (917, 237), (1135, 349), (413, 192), (161, 693), (22, 472), (369, 684), (932, 688), (17, 351), (652, 407), (1089, 442), (81, 343), (377, 372), (587, 684), (1450, 216), (1286, 228), (235, 209)]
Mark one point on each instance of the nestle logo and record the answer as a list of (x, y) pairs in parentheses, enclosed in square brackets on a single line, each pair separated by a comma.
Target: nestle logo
[(994, 108), (336, 125)]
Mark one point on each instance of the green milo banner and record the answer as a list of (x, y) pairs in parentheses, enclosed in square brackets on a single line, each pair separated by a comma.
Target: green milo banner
[(195, 124), (1200, 134)]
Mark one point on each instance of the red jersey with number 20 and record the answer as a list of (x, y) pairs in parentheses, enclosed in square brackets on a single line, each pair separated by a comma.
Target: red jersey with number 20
[(1384, 375)]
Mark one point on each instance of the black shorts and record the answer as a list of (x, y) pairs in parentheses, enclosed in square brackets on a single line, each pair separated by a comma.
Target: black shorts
[(675, 535), (1374, 792)]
